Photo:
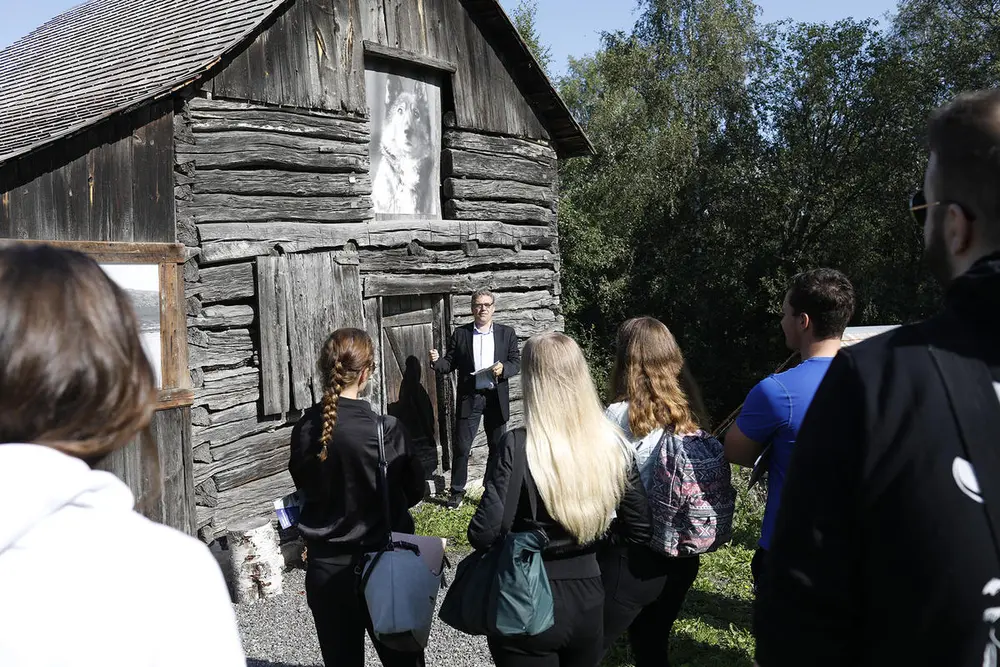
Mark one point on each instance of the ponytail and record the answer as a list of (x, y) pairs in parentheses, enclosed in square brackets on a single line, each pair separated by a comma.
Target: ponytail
[(346, 354)]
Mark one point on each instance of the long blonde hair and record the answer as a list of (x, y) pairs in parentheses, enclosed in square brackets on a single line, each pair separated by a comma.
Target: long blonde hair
[(578, 458), (345, 355), (649, 374)]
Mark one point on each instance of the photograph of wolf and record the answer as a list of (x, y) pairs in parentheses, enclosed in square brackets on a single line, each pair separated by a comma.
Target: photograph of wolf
[(405, 114)]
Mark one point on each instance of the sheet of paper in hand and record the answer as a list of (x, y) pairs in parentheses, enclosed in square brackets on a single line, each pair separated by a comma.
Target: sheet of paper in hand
[(760, 467), (484, 379)]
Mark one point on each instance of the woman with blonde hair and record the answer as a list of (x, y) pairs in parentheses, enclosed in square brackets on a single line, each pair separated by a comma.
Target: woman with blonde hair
[(645, 585), (583, 473), (85, 579), (334, 462)]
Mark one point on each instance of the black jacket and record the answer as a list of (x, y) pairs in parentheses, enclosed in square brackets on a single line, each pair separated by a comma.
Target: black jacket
[(342, 512), (564, 557), (882, 553), (459, 357)]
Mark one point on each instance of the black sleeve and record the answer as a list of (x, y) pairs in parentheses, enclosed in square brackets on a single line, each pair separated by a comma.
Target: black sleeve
[(634, 522), (808, 601), (303, 463), (512, 366), (406, 468), (487, 523), (446, 363)]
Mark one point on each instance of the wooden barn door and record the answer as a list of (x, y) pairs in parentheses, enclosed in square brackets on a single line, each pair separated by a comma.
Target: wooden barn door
[(411, 327)]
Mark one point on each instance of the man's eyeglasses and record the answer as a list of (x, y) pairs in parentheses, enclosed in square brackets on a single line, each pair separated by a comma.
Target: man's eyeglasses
[(482, 306), (919, 207)]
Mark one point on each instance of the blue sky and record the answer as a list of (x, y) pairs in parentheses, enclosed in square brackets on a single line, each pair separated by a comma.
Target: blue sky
[(569, 27)]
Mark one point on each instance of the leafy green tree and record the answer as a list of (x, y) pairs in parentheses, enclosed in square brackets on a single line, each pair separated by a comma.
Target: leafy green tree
[(524, 16)]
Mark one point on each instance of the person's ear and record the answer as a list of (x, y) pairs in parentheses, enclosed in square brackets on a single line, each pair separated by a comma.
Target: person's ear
[(804, 321), (365, 374), (959, 232)]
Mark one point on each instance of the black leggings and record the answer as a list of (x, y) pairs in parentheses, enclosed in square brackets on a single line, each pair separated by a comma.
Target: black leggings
[(341, 617), (644, 594), (574, 640)]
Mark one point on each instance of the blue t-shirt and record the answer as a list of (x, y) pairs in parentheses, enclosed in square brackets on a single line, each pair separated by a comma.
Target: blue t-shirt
[(772, 415)]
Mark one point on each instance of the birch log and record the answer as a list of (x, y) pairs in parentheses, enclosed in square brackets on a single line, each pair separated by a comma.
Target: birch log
[(256, 560)]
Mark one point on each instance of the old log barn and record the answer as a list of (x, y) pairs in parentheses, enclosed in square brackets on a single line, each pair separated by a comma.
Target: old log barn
[(259, 172)]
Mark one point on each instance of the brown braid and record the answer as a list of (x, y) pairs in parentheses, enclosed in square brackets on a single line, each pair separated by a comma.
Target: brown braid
[(346, 354)]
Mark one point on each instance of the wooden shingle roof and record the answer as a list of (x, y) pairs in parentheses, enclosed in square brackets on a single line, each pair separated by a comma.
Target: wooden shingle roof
[(107, 55)]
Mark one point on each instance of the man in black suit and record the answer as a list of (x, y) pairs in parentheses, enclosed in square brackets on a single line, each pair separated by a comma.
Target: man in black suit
[(486, 356)]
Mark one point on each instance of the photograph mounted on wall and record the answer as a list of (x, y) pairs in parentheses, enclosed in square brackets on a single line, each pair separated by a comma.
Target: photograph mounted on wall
[(406, 144), (142, 284)]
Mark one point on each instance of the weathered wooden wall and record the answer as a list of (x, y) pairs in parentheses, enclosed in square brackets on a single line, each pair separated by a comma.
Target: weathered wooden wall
[(256, 184), (113, 182), (272, 162), (313, 57)]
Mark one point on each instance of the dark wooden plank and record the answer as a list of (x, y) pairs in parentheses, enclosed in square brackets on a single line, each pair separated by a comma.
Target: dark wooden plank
[(257, 65), (322, 54), (117, 187), (263, 465), (305, 280), (78, 192), (153, 185), (272, 281), (453, 261), (408, 57), (236, 150), (391, 285), (350, 56), (276, 63), (174, 444), (373, 325), (234, 81), (310, 86), (373, 21), (220, 116), (224, 317)]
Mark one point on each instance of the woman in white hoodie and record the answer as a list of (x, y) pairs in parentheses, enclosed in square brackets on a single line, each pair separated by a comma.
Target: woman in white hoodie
[(84, 579)]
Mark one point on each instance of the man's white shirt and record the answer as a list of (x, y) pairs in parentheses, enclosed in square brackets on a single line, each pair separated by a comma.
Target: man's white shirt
[(483, 347)]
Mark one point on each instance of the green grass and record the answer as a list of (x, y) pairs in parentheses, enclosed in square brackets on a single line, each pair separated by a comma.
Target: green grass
[(714, 626)]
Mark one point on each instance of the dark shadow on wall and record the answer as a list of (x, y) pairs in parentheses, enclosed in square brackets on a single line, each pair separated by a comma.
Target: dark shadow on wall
[(415, 410)]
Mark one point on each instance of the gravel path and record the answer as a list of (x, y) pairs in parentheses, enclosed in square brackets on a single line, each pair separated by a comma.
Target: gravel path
[(279, 632)]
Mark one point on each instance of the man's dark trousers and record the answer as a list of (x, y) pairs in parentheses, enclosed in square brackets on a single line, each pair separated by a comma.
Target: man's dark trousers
[(485, 407)]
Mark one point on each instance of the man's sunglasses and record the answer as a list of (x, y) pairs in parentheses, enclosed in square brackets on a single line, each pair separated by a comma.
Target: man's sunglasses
[(919, 207)]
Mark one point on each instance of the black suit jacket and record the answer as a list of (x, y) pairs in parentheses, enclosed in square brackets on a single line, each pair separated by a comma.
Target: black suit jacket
[(459, 357)]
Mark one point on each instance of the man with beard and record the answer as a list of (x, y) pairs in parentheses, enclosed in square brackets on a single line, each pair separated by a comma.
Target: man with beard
[(887, 544)]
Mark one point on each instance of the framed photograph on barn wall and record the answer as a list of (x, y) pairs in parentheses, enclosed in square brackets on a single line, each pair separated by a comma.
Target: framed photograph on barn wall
[(152, 275), (404, 105)]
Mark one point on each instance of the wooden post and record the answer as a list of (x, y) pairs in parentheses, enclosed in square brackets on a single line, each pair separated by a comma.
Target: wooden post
[(256, 560)]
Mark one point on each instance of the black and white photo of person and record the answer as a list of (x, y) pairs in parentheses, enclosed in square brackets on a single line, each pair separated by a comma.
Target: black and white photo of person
[(405, 146)]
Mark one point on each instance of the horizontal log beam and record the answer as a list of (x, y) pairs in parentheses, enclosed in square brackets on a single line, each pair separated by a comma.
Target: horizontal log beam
[(392, 285), (219, 317), (493, 190), (247, 150), (276, 182), (399, 260), (407, 57), (505, 146), (253, 499), (223, 283), (508, 301), (496, 210), (221, 116), (457, 163), (230, 347), (209, 208), (227, 241)]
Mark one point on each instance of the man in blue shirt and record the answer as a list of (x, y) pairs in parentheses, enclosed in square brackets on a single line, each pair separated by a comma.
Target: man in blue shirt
[(816, 310)]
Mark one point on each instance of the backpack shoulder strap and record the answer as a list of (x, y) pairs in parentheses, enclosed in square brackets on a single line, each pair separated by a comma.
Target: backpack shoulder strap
[(974, 403)]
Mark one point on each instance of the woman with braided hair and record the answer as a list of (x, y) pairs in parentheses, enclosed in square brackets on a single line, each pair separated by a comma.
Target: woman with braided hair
[(334, 462)]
